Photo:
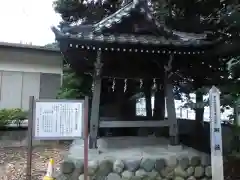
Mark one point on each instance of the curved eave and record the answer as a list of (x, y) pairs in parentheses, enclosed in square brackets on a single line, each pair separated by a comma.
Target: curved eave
[(142, 7), (148, 44)]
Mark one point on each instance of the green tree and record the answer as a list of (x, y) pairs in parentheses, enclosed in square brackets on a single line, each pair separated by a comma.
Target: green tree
[(86, 11), (74, 86), (187, 16)]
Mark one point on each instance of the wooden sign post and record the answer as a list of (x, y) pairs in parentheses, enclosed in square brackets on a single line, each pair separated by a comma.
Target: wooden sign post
[(57, 119), (216, 134)]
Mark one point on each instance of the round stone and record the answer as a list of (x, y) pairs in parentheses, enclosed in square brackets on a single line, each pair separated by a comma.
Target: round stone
[(153, 175), (191, 178), (172, 161), (92, 167), (208, 171), (81, 177), (190, 171), (118, 166), (199, 172), (178, 171), (206, 160), (126, 175), (178, 178), (136, 178), (67, 167), (147, 164), (167, 172), (141, 173), (160, 164), (76, 173), (195, 161), (132, 165), (79, 164), (183, 162), (105, 167), (113, 176)]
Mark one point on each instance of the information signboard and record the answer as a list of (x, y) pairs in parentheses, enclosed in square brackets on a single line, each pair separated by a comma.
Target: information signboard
[(58, 119), (216, 134)]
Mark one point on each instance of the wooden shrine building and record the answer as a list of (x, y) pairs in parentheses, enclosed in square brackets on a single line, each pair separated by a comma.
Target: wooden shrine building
[(130, 52)]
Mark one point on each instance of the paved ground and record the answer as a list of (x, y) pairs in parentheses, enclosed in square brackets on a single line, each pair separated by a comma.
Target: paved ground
[(130, 148)]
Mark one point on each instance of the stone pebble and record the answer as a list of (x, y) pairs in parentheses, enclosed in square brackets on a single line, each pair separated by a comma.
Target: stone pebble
[(118, 166), (176, 168)]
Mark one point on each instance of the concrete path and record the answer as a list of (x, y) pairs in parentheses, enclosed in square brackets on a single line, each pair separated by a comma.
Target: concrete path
[(130, 148)]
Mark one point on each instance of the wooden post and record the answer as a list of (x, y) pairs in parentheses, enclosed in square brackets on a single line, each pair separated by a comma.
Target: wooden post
[(173, 127), (216, 134), (86, 138), (94, 121), (173, 124), (30, 133)]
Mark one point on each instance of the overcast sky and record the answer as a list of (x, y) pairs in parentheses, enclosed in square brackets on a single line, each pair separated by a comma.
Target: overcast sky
[(27, 21)]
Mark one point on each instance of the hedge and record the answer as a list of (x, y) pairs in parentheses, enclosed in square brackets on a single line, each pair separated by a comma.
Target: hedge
[(16, 116)]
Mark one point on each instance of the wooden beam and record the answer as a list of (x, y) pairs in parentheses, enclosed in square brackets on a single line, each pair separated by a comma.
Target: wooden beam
[(171, 111), (121, 124), (94, 121)]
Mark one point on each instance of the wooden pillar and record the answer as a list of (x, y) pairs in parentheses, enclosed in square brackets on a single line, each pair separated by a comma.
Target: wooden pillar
[(94, 120), (159, 103), (171, 111), (148, 97)]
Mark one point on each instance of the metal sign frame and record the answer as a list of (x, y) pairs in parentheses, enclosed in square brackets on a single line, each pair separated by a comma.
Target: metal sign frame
[(31, 130), (59, 101)]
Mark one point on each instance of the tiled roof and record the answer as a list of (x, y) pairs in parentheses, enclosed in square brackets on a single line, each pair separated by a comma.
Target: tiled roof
[(95, 32), (141, 6), (131, 39), (116, 17)]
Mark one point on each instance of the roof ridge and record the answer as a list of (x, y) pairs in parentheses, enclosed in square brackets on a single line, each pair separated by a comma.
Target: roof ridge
[(144, 7), (179, 34), (124, 10)]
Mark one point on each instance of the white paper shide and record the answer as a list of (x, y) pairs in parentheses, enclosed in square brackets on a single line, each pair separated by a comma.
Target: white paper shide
[(216, 134), (58, 120)]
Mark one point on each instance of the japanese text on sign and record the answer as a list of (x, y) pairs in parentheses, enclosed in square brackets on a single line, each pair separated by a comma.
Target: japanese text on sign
[(58, 120), (216, 135)]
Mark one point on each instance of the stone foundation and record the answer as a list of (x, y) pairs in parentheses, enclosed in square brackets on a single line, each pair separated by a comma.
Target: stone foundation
[(146, 162), (183, 168)]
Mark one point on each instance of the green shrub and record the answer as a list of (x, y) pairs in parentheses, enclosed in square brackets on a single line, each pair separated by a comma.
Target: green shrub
[(4, 117), (16, 116)]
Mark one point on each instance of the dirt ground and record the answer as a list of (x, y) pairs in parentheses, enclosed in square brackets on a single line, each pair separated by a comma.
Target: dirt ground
[(13, 161)]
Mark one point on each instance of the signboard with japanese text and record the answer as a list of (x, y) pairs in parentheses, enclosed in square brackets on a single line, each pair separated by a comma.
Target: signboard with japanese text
[(216, 134), (58, 119)]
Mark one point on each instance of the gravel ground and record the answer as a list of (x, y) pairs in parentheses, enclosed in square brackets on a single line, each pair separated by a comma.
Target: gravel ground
[(13, 161)]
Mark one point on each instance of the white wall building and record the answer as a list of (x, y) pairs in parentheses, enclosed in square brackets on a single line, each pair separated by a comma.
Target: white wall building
[(28, 71)]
